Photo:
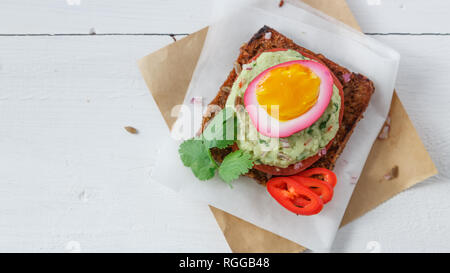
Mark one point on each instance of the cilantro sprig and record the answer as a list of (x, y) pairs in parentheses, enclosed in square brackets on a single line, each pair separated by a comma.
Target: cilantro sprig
[(195, 154), (235, 164), (220, 133)]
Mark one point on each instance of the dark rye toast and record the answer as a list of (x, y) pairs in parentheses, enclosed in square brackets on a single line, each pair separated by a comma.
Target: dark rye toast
[(357, 93)]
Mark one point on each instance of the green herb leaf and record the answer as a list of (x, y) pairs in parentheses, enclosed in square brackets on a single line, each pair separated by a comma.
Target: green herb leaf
[(323, 124), (222, 130), (196, 155), (262, 141), (220, 133), (336, 106), (235, 164)]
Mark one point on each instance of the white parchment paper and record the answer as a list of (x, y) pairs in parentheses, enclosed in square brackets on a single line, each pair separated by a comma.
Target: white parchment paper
[(319, 33)]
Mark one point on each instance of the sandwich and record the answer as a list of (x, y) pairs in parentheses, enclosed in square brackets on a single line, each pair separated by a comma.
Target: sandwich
[(289, 112)]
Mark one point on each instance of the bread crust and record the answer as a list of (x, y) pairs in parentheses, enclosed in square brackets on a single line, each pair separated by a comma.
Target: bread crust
[(358, 91)]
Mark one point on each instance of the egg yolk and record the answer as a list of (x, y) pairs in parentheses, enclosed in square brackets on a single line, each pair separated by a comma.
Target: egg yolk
[(293, 89)]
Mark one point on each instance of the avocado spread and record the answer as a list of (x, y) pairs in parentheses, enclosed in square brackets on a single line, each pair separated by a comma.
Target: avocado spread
[(281, 152)]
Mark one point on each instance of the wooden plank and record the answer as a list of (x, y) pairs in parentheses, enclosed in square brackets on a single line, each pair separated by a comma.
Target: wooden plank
[(72, 176), (106, 16), (400, 16), (176, 16), (399, 225), (63, 104)]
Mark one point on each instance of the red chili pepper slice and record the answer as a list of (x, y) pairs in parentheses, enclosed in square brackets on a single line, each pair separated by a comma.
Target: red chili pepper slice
[(322, 174), (322, 189), (293, 196)]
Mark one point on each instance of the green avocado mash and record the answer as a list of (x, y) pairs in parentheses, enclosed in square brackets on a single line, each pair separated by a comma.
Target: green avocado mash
[(281, 152)]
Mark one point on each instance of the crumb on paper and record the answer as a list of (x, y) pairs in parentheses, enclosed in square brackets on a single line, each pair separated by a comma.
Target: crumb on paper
[(384, 133), (197, 100), (131, 130), (92, 31), (392, 174), (354, 180), (173, 37), (281, 3)]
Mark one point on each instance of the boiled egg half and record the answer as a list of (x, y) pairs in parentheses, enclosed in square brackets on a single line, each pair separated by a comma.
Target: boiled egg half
[(289, 97)]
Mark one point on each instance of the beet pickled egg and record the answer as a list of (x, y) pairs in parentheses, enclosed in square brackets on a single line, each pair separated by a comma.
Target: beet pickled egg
[(288, 97)]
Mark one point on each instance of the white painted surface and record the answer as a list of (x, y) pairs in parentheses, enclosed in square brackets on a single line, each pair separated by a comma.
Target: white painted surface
[(186, 16), (69, 171), (71, 178)]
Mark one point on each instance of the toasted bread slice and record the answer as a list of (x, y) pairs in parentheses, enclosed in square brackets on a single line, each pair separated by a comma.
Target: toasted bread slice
[(357, 93)]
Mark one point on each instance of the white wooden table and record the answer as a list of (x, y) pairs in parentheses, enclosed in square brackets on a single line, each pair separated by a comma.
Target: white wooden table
[(72, 179)]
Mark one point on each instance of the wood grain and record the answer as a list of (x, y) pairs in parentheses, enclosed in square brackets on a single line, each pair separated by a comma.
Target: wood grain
[(64, 101), (70, 172), (187, 16), (63, 104)]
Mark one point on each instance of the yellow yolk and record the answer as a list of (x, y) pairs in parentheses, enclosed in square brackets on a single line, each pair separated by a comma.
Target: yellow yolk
[(288, 92)]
